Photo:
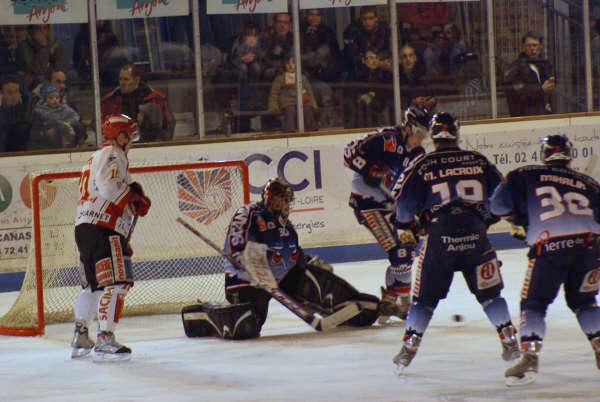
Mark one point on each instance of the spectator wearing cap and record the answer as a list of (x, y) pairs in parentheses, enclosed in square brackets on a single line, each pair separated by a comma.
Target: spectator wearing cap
[(54, 124)]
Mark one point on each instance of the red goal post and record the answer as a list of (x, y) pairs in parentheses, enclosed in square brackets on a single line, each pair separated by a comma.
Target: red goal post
[(171, 267)]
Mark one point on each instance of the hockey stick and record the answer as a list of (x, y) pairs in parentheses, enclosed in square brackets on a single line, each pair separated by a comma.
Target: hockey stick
[(258, 268)]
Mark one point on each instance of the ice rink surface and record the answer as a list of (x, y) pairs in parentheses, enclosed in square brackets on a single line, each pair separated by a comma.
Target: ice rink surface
[(291, 362)]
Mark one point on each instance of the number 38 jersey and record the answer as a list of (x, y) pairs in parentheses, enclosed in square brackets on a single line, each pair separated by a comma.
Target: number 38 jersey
[(550, 201), (441, 177)]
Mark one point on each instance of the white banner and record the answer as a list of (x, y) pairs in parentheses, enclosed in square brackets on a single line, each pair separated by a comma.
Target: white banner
[(246, 6), (31, 12), (304, 4), (124, 9)]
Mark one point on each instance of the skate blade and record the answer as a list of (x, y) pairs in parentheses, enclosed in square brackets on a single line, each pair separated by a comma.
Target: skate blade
[(100, 357), (399, 370), (527, 379), (77, 353)]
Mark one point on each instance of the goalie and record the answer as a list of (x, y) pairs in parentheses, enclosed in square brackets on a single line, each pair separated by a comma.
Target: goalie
[(308, 280)]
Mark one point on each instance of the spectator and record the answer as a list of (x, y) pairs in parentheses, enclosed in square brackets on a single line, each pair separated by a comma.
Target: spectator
[(277, 42), (529, 81), (283, 98), (131, 94), (247, 53), (368, 33), (373, 98), (412, 76), (475, 89), (111, 56), (12, 36), (213, 62), (149, 120), (56, 77), (39, 53), (321, 56), (14, 116), (54, 124)]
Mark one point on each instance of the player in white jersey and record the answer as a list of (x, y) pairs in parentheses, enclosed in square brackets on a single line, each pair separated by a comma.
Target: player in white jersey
[(109, 201)]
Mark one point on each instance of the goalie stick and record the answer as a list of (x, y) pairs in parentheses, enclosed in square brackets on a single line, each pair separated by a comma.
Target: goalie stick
[(257, 266)]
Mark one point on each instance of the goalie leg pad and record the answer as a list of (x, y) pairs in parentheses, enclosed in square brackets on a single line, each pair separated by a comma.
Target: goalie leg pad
[(369, 311), (236, 322)]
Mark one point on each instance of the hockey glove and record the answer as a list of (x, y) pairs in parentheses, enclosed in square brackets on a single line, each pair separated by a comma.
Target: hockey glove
[(140, 204), (137, 188), (518, 232)]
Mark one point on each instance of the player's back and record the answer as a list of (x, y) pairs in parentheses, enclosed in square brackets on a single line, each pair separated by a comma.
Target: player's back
[(558, 201), (443, 176)]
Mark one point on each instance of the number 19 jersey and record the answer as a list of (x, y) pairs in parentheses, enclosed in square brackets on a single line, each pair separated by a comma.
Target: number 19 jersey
[(550, 201)]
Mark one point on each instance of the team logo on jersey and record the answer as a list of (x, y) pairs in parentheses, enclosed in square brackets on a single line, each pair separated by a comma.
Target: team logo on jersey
[(204, 195), (591, 281), (389, 145)]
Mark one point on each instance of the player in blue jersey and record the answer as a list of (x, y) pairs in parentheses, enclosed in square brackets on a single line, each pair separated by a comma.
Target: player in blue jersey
[(559, 210), (449, 189), (307, 279), (377, 160)]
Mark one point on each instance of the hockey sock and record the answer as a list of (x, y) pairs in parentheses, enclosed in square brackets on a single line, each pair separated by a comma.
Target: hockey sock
[(589, 320), (496, 310), (110, 306), (533, 325), (86, 305), (418, 318)]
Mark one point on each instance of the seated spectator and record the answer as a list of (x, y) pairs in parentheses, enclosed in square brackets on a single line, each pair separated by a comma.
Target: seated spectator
[(529, 81), (56, 77), (149, 120), (14, 116), (277, 42), (54, 124), (12, 36), (213, 62), (367, 33), (321, 57), (247, 54), (283, 98), (131, 94), (412, 76), (374, 97), (39, 53)]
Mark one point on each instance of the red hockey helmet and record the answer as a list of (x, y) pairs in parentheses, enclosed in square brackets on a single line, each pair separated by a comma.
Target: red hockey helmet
[(119, 123)]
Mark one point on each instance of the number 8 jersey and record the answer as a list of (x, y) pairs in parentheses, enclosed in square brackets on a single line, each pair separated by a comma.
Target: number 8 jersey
[(550, 201)]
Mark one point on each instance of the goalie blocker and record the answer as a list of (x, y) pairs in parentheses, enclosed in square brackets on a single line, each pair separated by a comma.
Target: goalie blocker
[(317, 289)]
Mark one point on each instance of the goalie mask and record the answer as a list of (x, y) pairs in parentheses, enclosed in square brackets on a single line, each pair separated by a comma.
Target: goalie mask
[(556, 149), (277, 196)]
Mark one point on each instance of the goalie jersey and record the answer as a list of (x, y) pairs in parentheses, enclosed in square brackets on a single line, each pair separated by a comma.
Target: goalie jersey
[(380, 156), (254, 222), (104, 191), (444, 176), (549, 201)]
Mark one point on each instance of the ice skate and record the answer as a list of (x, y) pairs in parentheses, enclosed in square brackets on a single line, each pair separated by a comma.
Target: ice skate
[(407, 353), (109, 350), (392, 305), (82, 344), (510, 343), (524, 372), (596, 346)]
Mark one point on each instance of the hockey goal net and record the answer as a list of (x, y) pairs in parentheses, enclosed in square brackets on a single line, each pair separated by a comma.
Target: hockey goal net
[(172, 268)]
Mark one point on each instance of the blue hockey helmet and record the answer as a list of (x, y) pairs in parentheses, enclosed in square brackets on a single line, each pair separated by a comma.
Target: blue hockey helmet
[(444, 127), (556, 149), (417, 117)]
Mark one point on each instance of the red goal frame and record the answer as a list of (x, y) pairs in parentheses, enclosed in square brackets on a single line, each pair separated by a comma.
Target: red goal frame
[(35, 207)]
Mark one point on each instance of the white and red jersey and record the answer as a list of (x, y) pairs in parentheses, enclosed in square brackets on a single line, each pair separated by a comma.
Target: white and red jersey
[(104, 191)]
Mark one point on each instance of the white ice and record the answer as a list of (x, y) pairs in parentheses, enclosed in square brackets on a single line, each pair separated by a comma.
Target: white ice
[(291, 362)]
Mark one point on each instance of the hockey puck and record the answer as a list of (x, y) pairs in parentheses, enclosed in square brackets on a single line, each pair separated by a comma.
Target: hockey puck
[(458, 318)]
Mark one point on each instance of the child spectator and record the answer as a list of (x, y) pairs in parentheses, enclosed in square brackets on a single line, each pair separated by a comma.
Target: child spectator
[(283, 98), (55, 125), (247, 53)]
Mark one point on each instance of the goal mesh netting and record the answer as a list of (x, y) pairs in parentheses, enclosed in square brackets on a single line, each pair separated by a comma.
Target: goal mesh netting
[(172, 267)]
